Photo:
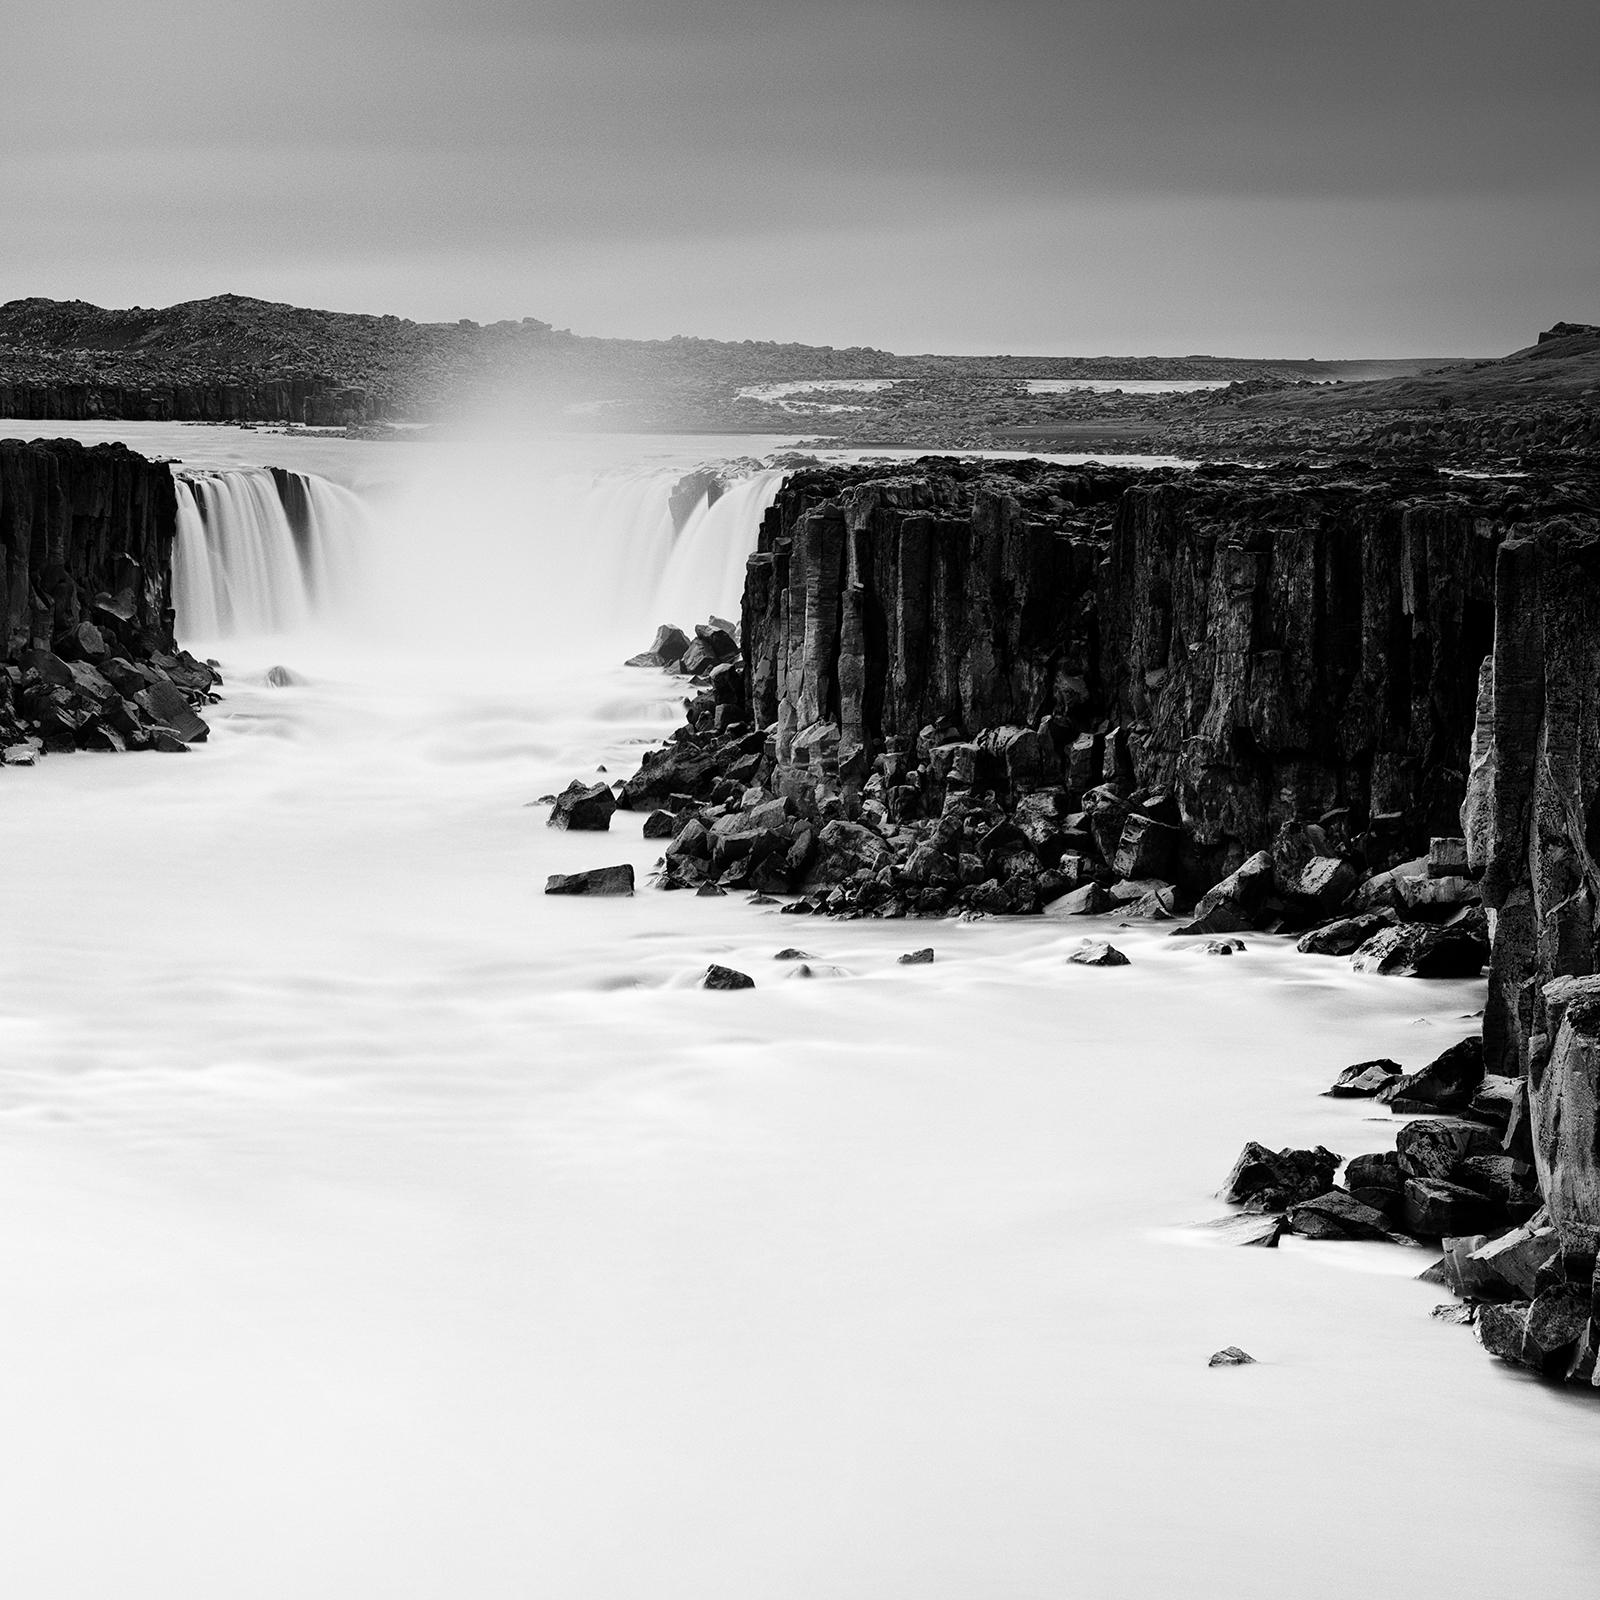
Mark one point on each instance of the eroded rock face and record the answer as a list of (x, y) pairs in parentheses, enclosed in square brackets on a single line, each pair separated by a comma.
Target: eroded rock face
[(1262, 647), (1532, 825), (87, 655)]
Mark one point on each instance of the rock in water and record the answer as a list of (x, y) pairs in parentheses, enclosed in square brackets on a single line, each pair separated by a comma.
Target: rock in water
[(1271, 1180), (583, 807), (726, 978), (917, 958), (659, 825), (168, 707), (1232, 1356), (1364, 1079), (667, 651), (597, 880), (1447, 1083), (1097, 953)]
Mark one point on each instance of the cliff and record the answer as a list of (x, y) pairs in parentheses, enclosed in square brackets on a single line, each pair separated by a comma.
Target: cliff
[(1268, 648), (1532, 823), (87, 654), (1230, 700)]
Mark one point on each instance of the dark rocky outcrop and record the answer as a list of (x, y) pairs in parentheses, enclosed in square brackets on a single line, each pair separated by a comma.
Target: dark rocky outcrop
[(87, 655)]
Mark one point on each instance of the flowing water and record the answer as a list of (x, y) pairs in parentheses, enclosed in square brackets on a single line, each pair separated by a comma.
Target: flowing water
[(373, 1226)]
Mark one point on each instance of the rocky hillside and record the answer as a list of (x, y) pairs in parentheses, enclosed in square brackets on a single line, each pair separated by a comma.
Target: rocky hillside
[(232, 357)]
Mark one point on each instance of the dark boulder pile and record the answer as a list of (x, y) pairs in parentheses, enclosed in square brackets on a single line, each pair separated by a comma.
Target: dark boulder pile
[(1464, 1175), (943, 824)]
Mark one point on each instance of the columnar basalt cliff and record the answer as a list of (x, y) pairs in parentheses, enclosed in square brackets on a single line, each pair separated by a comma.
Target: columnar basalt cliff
[(1249, 700), (1267, 649), (87, 654), (1532, 823)]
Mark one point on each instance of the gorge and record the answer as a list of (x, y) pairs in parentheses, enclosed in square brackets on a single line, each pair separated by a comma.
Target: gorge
[(498, 1162)]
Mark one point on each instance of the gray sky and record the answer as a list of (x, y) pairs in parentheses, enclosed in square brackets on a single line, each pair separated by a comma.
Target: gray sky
[(1337, 178)]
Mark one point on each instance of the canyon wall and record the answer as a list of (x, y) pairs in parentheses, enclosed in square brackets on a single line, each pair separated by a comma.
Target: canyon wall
[(1268, 648), (277, 400), (1532, 823), (87, 654)]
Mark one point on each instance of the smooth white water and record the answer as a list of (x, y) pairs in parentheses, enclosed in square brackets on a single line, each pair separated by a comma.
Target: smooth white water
[(373, 1226), (241, 566)]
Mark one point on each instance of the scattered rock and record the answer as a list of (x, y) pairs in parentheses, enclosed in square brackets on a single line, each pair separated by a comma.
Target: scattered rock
[(718, 977), (917, 958), (1097, 953), (659, 825), (585, 807), (1232, 1356), (597, 880), (1337, 1214), (1447, 1083), (1222, 947), (1365, 1079), (1346, 936), (1425, 950), (667, 651), (1273, 1180)]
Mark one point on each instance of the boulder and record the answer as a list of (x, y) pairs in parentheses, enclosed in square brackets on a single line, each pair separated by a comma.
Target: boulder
[(1146, 848), (1364, 1079), (1243, 899), (1431, 1147), (1510, 1265), (1222, 947), (660, 825), (1377, 1181), (667, 651), (1345, 936), (1325, 883), (1539, 1335), (1232, 1356), (717, 977), (166, 705), (1512, 1184), (1434, 1208), (1436, 898), (845, 849), (1447, 1083), (1089, 901), (1273, 1180), (917, 958), (1424, 950), (676, 769), (1097, 953), (596, 880), (583, 807), (1337, 1214)]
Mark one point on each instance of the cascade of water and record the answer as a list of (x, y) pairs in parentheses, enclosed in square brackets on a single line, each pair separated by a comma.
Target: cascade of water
[(705, 569), (260, 550), (495, 548)]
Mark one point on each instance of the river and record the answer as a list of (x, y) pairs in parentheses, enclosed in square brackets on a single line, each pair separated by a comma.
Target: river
[(373, 1227)]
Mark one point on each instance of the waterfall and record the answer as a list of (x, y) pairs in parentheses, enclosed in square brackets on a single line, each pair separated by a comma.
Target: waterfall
[(704, 570), (261, 550), (468, 550)]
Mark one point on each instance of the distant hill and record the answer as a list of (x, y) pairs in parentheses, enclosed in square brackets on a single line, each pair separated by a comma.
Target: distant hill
[(236, 357)]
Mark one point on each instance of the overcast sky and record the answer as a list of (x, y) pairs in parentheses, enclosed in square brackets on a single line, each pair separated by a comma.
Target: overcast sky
[(1269, 177)]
